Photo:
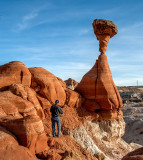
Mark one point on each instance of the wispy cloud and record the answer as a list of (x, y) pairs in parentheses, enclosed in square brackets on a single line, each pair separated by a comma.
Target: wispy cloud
[(110, 11), (65, 70), (70, 66), (84, 31), (26, 20), (131, 27)]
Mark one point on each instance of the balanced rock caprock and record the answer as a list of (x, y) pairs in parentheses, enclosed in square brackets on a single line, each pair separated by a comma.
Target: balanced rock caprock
[(97, 86)]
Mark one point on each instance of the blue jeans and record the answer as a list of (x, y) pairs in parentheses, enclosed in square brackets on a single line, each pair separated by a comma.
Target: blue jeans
[(56, 120)]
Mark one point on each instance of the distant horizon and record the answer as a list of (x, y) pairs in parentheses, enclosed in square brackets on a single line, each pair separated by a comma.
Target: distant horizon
[(58, 36), (81, 78)]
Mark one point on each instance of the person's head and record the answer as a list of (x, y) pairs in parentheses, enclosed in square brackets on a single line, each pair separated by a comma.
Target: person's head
[(57, 101)]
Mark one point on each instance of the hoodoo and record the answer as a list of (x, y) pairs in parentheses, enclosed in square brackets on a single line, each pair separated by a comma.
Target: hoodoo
[(97, 85)]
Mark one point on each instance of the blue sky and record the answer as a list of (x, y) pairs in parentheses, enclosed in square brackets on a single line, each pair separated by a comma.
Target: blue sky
[(58, 36)]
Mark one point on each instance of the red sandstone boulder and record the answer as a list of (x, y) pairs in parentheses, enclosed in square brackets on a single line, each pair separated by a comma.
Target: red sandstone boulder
[(46, 105), (21, 114), (6, 138), (16, 152), (10, 149), (62, 82), (14, 72), (28, 130), (12, 105), (28, 95), (135, 155), (73, 99), (47, 85)]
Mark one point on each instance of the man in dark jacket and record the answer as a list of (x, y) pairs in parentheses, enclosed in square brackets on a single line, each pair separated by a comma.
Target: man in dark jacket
[(56, 111)]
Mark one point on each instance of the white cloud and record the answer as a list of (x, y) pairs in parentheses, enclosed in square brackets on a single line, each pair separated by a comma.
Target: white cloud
[(131, 27), (26, 21), (65, 70)]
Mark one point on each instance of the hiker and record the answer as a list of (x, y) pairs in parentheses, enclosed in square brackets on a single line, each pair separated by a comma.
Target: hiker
[(56, 111)]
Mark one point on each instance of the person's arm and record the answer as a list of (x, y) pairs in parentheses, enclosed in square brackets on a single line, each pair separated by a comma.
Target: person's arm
[(51, 109), (60, 110)]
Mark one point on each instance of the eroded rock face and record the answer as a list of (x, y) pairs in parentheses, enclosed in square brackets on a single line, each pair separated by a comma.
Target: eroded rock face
[(104, 30), (10, 149), (28, 130), (29, 95), (108, 134), (97, 85), (22, 115), (73, 99), (47, 85), (14, 72)]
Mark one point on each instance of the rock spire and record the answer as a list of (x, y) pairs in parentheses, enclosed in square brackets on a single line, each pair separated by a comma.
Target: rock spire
[(104, 30)]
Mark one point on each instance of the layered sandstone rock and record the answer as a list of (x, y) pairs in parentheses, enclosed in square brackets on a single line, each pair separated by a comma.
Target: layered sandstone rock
[(10, 149), (29, 131), (14, 72), (47, 85), (103, 138), (21, 114), (71, 83), (104, 30), (97, 85), (28, 95), (73, 99)]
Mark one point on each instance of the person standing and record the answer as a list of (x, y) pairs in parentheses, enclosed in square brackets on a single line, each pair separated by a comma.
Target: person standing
[(56, 111)]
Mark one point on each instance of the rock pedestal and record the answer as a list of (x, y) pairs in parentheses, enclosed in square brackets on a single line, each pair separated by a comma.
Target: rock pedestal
[(97, 86)]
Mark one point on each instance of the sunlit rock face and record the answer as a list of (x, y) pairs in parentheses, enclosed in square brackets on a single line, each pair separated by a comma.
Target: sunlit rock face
[(47, 85), (14, 72), (10, 149), (97, 86)]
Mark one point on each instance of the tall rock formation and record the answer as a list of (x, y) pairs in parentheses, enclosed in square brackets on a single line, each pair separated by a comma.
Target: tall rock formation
[(97, 86)]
